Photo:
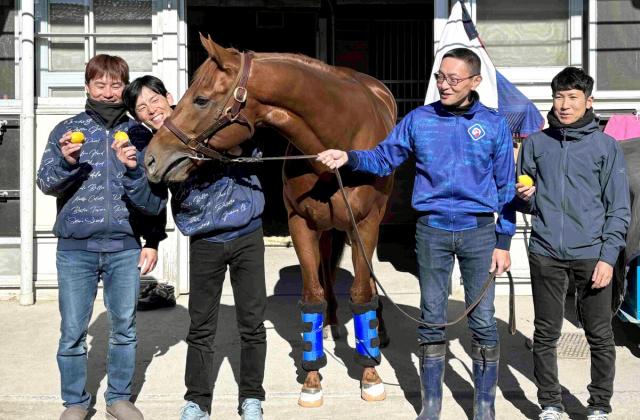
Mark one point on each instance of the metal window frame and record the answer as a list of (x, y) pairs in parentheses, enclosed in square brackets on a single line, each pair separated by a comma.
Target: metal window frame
[(536, 79), (46, 79), (592, 57), (15, 102)]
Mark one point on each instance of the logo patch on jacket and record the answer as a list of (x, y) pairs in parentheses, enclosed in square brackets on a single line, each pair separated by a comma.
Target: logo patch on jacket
[(476, 132)]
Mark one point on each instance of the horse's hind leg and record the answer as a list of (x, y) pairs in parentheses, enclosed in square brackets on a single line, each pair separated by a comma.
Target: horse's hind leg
[(331, 248), (364, 304), (313, 307)]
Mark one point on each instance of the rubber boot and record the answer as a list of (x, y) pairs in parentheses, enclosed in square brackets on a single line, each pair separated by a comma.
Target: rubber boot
[(432, 363), (485, 378)]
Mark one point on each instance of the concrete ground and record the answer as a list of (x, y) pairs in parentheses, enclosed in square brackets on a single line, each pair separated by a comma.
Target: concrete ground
[(29, 380)]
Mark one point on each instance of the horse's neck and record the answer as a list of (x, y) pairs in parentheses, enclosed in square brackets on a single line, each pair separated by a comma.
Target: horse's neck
[(297, 101)]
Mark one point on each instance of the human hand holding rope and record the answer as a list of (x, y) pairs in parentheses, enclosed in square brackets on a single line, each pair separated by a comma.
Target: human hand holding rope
[(333, 158)]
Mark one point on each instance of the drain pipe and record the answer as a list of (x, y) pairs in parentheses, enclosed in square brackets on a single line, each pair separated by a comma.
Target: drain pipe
[(27, 138)]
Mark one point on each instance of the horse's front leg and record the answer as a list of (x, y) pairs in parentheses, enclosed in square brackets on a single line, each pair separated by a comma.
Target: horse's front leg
[(313, 307), (364, 304)]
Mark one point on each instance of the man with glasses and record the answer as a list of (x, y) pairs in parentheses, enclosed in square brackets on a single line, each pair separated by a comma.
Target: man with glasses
[(464, 174)]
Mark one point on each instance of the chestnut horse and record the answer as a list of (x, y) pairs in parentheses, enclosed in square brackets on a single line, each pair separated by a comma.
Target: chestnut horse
[(316, 107)]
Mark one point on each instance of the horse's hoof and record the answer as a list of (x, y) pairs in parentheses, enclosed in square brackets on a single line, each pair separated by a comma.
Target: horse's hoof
[(310, 398), (372, 392), (331, 332)]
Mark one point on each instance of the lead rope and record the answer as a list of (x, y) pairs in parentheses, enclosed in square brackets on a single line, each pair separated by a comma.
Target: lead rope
[(467, 311)]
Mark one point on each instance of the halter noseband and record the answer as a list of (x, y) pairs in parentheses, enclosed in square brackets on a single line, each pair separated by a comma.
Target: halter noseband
[(226, 115)]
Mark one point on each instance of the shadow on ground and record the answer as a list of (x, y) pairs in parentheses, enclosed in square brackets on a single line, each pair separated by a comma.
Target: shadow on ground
[(158, 330), (283, 311)]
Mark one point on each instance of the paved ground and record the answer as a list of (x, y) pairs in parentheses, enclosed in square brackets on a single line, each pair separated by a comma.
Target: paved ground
[(29, 383)]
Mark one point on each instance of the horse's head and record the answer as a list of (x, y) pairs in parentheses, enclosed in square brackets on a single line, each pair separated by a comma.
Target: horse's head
[(214, 114)]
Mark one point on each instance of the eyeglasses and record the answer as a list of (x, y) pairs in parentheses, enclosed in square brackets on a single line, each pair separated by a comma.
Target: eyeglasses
[(452, 81)]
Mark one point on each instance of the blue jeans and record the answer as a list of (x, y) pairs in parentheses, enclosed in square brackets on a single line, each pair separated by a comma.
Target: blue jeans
[(436, 250), (78, 275)]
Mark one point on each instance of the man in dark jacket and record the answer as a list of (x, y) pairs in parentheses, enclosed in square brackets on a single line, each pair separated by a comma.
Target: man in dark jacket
[(98, 227), (220, 209), (464, 175), (580, 200)]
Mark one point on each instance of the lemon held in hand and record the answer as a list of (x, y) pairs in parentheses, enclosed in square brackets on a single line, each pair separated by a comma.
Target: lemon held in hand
[(120, 136), (77, 137), (525, 180)]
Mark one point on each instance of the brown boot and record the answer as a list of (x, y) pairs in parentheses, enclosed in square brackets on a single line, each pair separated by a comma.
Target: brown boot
[(74, 413), (124, 410)]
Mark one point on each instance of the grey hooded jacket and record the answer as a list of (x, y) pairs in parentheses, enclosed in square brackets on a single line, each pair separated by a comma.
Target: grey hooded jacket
[(581, 201)]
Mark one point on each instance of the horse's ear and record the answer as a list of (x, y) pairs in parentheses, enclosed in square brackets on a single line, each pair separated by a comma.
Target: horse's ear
[(218, 54)]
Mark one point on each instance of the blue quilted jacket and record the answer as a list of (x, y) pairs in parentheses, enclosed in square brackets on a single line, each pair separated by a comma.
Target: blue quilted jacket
[(100, 202), (464, 166)]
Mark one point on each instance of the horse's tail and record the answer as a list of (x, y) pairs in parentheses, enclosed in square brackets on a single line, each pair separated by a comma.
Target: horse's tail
[(331, 249), (338, 241)]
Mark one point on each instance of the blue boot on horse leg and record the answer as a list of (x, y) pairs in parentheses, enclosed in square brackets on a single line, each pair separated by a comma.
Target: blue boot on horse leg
[(485, 378), (313, 357), (432, 364), (367, 355)]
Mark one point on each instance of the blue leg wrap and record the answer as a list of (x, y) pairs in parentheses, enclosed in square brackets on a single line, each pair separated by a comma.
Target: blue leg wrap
[(365, 323), (312, 337), (313, 357)]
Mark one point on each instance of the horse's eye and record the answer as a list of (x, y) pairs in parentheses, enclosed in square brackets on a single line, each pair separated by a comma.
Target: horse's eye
[(201, 101)]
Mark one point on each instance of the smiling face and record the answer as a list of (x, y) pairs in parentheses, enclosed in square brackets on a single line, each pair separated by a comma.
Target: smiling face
[(571, 105), (457, 83), (167, 158), (105, 89), (153, 108)]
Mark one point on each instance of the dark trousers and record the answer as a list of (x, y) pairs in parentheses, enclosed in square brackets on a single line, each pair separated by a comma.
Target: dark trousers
[(208, 264), (549, 281)]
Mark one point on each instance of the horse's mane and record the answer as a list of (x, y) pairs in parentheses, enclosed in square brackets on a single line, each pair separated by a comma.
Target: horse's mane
[(204, 74), (298, 58)]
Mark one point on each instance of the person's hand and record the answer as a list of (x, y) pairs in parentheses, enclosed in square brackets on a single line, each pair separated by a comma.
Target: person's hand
[(602, 275), (148, 260), (70, 151), (332, 158), (126, 153), (525, 192), (500, 261)]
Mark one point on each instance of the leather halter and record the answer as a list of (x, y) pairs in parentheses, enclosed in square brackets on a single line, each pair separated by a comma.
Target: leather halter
[(226, 115)]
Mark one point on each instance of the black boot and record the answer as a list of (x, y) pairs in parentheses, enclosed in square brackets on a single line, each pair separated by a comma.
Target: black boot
[(485, 378), (431, 376)]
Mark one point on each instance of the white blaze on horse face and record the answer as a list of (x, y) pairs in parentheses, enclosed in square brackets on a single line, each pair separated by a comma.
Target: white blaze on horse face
[(152, 108)]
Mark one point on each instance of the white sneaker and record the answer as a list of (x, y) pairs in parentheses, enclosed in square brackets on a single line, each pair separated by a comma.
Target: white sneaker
[(192, 411), (597, 415), (551, 413)]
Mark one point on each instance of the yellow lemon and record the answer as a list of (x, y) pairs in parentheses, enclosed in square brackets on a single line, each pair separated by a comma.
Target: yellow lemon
[(525, 180), (77, 137), (120, 136)]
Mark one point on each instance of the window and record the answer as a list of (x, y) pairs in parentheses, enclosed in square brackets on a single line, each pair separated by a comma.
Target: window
[(70, 32), (614, 45), (525, 34), (8, 41)]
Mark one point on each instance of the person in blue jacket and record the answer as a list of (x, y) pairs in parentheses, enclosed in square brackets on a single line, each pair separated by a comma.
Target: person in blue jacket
[(220, 208), (464, 175), (581, 203), (102, 209)]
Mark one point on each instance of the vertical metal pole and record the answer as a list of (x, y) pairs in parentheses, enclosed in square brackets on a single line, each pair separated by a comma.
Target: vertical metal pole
[(27, 140)]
